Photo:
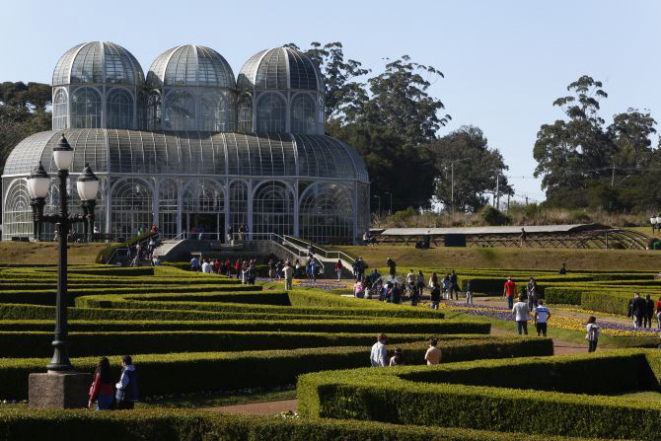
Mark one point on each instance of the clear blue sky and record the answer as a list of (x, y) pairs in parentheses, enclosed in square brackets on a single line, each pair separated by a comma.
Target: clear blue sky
[(504, 61)]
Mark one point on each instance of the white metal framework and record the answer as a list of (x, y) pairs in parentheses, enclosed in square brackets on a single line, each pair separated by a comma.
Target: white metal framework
[(193, 150)]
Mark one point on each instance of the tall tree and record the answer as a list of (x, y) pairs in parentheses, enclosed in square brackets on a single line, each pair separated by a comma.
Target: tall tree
[(584, 162), (23, 111), (478, 169), (387, 117)]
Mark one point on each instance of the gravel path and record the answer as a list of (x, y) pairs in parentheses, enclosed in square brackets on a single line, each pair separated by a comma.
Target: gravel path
[(262, 408)]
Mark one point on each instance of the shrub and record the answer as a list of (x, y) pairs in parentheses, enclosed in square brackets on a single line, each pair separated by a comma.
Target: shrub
[(194, 372), (497, 394), (492, 216), (170, 425)]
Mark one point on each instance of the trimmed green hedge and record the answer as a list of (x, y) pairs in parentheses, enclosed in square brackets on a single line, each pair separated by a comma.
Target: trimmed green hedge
[(195, 372), (389, 325), (349, 307), (563, 296), (83, 344), (47, 297), (519, 395), (171, 425)]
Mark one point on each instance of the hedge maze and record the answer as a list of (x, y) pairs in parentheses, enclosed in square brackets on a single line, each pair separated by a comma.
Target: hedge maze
[(192, 333)]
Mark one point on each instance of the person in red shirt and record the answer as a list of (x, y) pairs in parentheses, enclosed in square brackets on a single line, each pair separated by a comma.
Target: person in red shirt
[(658, 313), (102, 390), (510, 291), (237, 268)]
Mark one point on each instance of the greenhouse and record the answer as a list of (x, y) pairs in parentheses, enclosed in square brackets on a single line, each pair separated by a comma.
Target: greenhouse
[(194, 151)]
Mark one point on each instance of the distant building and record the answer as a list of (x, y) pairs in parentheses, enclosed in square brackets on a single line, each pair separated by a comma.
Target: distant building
[(191, 149)]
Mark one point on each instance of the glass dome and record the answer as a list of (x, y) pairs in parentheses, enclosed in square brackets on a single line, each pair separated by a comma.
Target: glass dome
[(98, 62), (190, 65), (280, 68), (193, 153)]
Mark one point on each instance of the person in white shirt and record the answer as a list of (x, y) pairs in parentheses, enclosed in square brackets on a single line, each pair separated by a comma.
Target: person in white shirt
[(206, 267), (593, 334), (520, 310), (289, 276), (379, 354), (542, 316)]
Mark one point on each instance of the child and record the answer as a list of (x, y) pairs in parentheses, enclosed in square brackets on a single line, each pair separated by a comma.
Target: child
[(127, 387), (469, 294), (593, 334), (397, 359)]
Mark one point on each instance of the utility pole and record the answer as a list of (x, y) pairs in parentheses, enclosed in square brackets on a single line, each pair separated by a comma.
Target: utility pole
[(498, 190), (613, 176), (379, 198)]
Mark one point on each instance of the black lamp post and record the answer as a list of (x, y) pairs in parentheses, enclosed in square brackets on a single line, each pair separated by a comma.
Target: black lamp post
[(88, 187)]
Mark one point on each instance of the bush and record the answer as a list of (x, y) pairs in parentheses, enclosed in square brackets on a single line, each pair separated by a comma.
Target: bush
[(563, 296), (170, 425), (84, 344), (194, 372), (498, 394), (494, 217)]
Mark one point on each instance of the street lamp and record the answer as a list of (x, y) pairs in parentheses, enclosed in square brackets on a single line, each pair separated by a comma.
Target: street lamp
[(388, 193), (88, 187)]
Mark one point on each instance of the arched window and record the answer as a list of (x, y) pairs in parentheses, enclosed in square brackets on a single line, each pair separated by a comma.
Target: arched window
[(168, 206), (60, 110), (273, 209), (204, 209), (244, 114), (86, 109), (326, 211), (132, 208), (271, 114), (238, 205), (213, 112), (303, 115), (17, 213), (179, 111), (154, 111), (120, 110)]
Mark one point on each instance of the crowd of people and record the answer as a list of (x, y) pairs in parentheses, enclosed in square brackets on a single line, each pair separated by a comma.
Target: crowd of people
[(643, 311), (109, 395), (393, 290)]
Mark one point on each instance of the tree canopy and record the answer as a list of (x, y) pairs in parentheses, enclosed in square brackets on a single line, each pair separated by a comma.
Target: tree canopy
[(23, 111), (586, 163)]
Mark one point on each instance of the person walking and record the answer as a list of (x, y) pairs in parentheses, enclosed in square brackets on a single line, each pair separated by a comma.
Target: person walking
[(509, 290), (638, 310), (195, 264), (435, 296), (397, 359), (454, 285), (420, 281), (433, 280), (593, 334), (206, 266), (271, 268), (338, 269), (469, 293), (446, 285), (658, 314), (127, 387), (520, 311), (433, 354), (102, 390), (532, 294), (313, 270), (359, 289), (523, 237), (542, 316), (649, 312), (289, 276), (379, 353), (392, 267), (237, 268)]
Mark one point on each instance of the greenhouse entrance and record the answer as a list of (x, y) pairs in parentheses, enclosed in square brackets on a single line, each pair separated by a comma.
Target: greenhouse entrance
[(204, 226)]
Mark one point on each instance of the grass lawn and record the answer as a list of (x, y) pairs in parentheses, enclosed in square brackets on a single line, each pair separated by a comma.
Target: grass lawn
[(46, 253), (652, 396), (534, 258)]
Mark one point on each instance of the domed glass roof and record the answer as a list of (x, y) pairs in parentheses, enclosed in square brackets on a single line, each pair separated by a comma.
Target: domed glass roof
[(190, 65), (193, 153), (280, 68), (98, 62)]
